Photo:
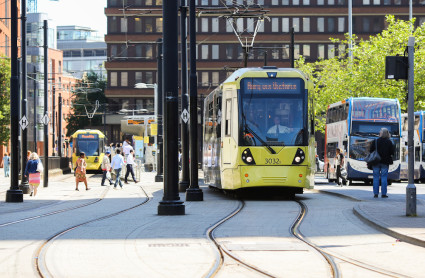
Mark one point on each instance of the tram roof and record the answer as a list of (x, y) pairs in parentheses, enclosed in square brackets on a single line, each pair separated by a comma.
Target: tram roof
[(240, 72), (88, 131)]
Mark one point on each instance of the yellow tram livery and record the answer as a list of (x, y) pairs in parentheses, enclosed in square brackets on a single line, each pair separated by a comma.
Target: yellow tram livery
[(259, 131), (92, 143)]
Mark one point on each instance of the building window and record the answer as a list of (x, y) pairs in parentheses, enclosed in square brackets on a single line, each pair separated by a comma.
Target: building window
[(341, 49), (285, 24), (275, 24), (214, 25), (366, 2), (275, 52), (295, 2), (204, 25), (148, 25), (331, 51), (320, 2), (250, 24), (397, 2), (331, 2), (124, 25), (376, 2), (239, 25), (229, 52), (114, 79), (215, 52), (387, 2), (306, 24), (331, 24), (366, 24), (321, 24), (306, 51), (296, 24), (60, 68), (229, 27), (148, 2), (113, 24), (341, 24), (149, 51), (214, 2), (321, 51), (261, 26), (88, 53), (137, 24), (159, 2), (204, 52), (124, 79), (377, 25), (215, 78), (205, 80), (285, 51), (296, 51), (275, 2), (149, 77), (158, 23), (204, 2), (138, 77)]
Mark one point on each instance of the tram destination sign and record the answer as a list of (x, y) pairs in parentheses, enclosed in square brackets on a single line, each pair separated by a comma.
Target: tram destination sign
[(272, 85)]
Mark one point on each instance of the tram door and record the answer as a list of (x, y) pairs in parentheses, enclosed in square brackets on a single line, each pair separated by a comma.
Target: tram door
[(229, 137)]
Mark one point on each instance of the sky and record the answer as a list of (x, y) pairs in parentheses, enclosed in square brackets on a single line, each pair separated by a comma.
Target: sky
[(87, 13)]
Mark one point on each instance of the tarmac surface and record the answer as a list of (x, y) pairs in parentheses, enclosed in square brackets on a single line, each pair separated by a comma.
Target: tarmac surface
[(162, 234)]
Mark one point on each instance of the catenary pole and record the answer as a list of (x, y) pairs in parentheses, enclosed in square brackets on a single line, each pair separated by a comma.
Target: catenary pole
[(184, 183), (60, 125), (170, 204), (24, 102), (411, 188), (14, 194), (46, 111), (160, 99), (292, 48), (193, 193), (35, 108)]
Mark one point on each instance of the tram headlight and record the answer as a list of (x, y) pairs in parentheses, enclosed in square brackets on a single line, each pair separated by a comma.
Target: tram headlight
[(247, 157), (299, 157)]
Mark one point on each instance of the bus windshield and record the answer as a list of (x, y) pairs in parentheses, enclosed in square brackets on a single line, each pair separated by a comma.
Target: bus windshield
[(88, 143), (273, 112), (378, 110)]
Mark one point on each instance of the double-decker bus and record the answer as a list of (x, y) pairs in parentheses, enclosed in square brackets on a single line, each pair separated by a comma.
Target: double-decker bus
[(259, 131), (92, 143), (418, 144), (353, 125)]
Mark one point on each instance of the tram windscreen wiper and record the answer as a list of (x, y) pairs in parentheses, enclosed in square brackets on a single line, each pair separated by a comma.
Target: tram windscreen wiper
[(259, 139)]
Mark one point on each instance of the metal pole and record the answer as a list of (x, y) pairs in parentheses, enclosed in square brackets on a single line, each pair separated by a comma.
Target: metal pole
[(170, 204), (265, 58), (35, 108), (410, 9), (292, 48), (160, 97), (53, 116), (104, 119), (60, 125), (184, 183), (193, 193), (245, 56), (46, 93), (14, 195), (411, 188), (24, 180), (350, 28)]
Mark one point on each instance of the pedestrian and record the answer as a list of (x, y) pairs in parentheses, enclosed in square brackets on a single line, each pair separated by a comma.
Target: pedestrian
[(339, 166), (126, 149), (117, 163), (6, 164), (130, 163), (33, 171), (106, 168), (385, 150), (80, 172)]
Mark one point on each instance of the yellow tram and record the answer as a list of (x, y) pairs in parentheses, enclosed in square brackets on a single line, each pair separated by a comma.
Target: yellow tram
[(259, 131), (92, 143)]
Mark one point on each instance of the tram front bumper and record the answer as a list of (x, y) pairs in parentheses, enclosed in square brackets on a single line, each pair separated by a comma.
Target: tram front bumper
[(273, 176)]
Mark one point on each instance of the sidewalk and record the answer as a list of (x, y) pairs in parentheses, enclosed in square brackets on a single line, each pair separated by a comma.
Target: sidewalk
[(386, 215)]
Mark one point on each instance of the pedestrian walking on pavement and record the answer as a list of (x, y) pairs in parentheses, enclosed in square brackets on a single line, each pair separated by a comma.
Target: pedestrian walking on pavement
[(33, 171), (6, 164), (117, 164), (130, 163), (80, 172), (339, 166), (106, 168), (385, 149)]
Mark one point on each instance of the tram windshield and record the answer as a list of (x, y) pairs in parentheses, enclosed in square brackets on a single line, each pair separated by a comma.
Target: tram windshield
[(273, 112), (88, 143), (376, 110)]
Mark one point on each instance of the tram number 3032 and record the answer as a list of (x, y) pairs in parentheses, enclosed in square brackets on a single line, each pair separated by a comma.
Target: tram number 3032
[(273, 161)]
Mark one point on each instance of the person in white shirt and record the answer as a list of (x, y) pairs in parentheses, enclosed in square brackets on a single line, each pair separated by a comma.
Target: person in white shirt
[(117, 163), (130, 162), (126, 150), (277, 129)]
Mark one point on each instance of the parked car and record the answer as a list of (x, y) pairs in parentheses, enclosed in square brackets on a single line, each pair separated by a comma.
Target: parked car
[(319, 165)]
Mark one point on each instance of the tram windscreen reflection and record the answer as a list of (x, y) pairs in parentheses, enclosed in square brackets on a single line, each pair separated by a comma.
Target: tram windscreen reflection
[(275, 115)]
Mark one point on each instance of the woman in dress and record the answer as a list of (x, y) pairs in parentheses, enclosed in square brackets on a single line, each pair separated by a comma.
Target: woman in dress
[(32, 170), (80, 172)]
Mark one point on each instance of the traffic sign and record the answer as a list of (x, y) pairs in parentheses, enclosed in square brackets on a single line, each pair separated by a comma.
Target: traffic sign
[(23, 122), (185, 116), (45, 120)]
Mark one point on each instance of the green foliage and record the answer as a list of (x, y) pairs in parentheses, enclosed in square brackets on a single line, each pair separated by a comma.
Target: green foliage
[(4, 101), (85, 96), (340, 77)]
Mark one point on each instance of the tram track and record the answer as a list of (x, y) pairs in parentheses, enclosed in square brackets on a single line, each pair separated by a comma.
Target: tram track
[(39, 256)]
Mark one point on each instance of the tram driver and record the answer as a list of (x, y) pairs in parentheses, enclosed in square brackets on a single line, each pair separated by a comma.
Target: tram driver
[(277, 129)]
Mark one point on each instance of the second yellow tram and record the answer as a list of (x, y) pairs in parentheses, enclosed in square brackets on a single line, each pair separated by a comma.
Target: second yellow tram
[(259, 131), (92, 143)]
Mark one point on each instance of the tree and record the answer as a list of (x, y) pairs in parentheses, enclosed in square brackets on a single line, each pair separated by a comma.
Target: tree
[(4, 101), (90, 90), (340, 77)]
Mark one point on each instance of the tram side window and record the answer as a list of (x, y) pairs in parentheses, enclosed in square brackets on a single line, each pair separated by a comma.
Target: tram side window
[(228, 117), (423, 152), (405, 125), (417, 154), (404, 154), (417, 121), (218, 108)]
